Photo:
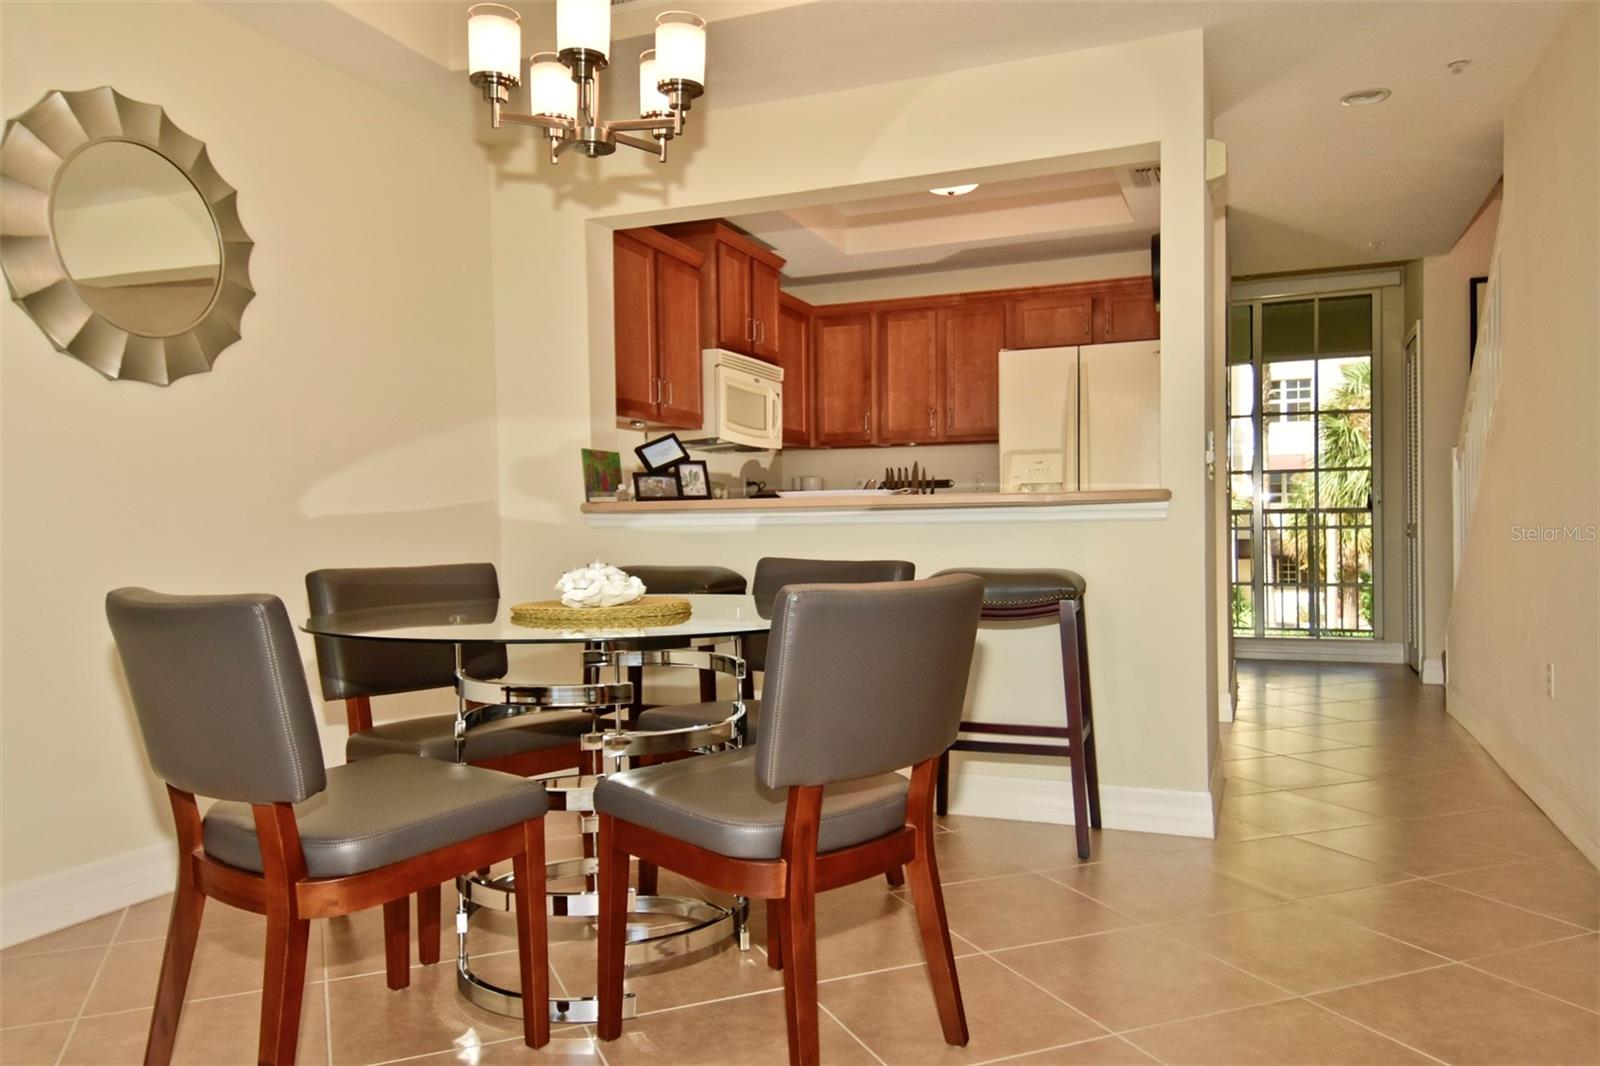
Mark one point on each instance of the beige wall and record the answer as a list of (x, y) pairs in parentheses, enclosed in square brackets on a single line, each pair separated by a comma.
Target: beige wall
[(1442, 293), (1521, 603), (352, 425), (1148, 579)]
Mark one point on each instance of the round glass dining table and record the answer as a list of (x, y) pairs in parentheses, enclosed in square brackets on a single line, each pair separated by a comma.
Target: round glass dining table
[(711, 639)]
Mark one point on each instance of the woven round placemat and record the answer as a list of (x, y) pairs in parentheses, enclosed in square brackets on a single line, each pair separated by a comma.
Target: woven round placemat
[(645, 611)]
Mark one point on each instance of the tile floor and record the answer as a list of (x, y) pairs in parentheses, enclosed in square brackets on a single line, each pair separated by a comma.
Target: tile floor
[(1380, 892)]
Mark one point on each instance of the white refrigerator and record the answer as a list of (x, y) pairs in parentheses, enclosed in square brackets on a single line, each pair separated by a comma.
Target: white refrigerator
[(1080, 419)]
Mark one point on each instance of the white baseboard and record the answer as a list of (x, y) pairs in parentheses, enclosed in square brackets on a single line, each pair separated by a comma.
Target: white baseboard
[(1225, 706), (1433, 671), (46, 904), (1319, 651), (1576, 822), (1040, 799)]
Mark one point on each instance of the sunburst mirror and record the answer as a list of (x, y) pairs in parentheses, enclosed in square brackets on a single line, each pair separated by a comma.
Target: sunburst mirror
[(119, 238)]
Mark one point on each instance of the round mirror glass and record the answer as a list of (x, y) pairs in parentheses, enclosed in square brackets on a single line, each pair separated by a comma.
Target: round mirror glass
[(136, 238)]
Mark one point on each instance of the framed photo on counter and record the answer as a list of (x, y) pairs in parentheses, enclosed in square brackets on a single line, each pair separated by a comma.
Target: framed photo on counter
[(656, 486), (663, 453), (694, 481)]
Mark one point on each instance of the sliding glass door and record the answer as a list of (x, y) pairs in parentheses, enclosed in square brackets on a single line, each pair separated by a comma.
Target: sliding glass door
[(1300, 463)]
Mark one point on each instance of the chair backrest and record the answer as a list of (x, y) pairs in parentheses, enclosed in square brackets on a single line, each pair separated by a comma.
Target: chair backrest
[(220, 694), (863, 679), (689, 580), (378, 667), (774, 572)]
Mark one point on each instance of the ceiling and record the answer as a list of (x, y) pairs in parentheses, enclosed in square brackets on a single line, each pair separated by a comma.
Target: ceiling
[(1050, 217), (1311, 184)]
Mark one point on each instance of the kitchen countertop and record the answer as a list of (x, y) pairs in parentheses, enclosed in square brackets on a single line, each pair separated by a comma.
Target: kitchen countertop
[(1103, 505)]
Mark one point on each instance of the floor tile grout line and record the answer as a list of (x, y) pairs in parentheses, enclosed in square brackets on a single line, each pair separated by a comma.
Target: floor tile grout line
[(1504, 903), (1060, 1047), (93, 982), (327, 993), (1529, 988), (823, 1007), (1059, 999), (1363, 1025)]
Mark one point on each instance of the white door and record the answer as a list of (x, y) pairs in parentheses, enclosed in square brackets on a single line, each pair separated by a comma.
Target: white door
[(1413, 504), (1119, 416)]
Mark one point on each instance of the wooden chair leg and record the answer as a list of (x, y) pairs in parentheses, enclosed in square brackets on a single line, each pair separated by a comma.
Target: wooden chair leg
[(928, 898), (798, 911), (428, 931), (397, 942), (1091, 762), (284, 986), (613, 930), (941, 802), (1070, 671), (896, 877), (533, 939), (188, 903), (774, 934), (649, 878)]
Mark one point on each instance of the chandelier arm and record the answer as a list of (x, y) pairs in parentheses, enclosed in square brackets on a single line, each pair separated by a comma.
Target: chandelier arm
[(642, 125), (637, 142), (549, 122)]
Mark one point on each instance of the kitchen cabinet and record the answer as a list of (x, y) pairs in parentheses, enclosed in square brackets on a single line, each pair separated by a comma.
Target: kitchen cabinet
[(739, 287), (794, 355), (971, 336), (1126, 313), (908, 408), (1050, 320), (843, 348), (656, 288)]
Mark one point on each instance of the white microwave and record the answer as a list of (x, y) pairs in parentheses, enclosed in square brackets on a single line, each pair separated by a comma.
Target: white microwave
[(743, 404)]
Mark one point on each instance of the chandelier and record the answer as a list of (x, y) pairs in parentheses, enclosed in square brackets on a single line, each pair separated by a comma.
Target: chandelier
[(564, 85)]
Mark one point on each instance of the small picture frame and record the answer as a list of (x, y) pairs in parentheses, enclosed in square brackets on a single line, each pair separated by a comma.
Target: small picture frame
[(1477, 289), (655, 486), (602, 474), (694, 480), (663, 453)]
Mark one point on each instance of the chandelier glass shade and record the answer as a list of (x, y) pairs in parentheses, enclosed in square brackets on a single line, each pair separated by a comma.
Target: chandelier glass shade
[(564, 85)]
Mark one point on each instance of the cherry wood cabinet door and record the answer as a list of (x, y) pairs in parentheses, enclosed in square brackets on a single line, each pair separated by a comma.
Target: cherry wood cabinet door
[(732, 312), (1050, 321), (843, 376), (633, 282), (764, 308), (677, 321), (1127, 316), (972, 336), (908, 376), (794, 355)]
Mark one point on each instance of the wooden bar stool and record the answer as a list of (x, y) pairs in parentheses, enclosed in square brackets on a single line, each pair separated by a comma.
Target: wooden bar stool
[(1013, 594)]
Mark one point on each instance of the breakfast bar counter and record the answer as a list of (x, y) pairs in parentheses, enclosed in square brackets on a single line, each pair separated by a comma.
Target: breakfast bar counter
[(830, 508)]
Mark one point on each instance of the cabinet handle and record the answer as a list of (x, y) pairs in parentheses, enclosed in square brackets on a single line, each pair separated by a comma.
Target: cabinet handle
[(750, 330), (931, 427), (655, 390), (671, 392), (866, 423), (950, 419)]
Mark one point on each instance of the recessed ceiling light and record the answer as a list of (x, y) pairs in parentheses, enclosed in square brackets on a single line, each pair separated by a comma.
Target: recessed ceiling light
[(954, 190), (1458, 65), (1376, 246), (1364, 97)]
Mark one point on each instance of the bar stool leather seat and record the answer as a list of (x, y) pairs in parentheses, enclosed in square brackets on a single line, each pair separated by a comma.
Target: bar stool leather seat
[(689, 580), (717, 802), (1011, 589), (432, 736), (381, 811)]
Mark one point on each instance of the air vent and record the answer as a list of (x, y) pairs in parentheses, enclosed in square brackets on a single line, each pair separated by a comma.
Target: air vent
[(1145, 177)]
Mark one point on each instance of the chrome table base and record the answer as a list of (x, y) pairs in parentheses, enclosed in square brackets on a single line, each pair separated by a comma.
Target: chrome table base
[(700, 925)]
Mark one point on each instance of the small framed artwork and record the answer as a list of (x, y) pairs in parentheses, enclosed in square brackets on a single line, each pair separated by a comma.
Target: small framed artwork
[(694, 482), (602, 474), (656, 487), (663, 453), (1478, 288)]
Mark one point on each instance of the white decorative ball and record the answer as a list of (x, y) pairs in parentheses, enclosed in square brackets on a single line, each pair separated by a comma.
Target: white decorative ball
[(598, 585)]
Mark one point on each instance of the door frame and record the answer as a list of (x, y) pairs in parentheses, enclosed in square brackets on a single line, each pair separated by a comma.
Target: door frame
[(1415, 486)]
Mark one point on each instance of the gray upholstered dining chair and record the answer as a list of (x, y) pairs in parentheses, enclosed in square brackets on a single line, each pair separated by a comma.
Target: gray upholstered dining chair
[(773, 573), (357, 670), (683, 581), (864, 680), (220, 695)]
